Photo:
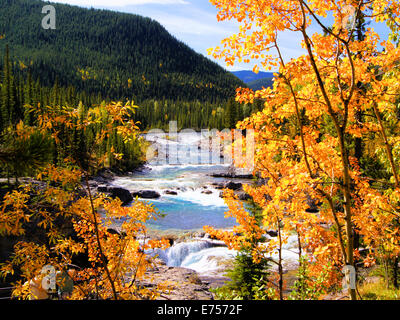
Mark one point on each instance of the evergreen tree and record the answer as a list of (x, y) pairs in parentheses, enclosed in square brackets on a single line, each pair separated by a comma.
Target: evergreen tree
[(231, 114), (7, 90)]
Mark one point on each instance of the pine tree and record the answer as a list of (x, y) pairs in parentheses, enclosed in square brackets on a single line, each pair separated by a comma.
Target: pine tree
[(231, 114), (7, 98)]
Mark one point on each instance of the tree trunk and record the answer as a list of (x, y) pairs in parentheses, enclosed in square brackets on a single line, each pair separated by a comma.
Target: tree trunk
[(395, 272), (280, 268)]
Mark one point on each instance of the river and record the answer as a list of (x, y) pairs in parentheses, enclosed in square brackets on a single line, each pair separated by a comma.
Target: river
[(190, 199)]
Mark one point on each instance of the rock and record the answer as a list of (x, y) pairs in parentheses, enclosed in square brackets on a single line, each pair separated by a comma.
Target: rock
[(170, 192), (146, 194), (233, 186), (142, 169), (185, 284), (244, 196), (218, 186), (199, 234), (121, 193), (171, 240), (272, 233), (232, 175), (207, 192), (116, 192), (102, 188), (106, 174), (93, 184), (261, 182), (214, 281), (113, 231)]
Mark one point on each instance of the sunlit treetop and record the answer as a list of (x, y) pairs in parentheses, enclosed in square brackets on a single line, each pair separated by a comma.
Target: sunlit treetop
[(262, 21)]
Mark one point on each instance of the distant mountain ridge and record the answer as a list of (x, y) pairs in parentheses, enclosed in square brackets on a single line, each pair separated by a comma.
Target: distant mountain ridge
[(248, 76), (261, 83), (255, 81), (117, 55)]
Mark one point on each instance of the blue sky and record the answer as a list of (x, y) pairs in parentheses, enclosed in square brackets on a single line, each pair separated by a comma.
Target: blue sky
[(192, 21)]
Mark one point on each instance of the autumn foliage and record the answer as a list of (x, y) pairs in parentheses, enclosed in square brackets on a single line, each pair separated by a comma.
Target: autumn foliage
[(332, 112), (61, 223)]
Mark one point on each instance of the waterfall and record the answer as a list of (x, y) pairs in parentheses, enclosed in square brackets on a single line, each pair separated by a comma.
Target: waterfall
[(201, 255), (175, 255), (208, 260), (208, 256)]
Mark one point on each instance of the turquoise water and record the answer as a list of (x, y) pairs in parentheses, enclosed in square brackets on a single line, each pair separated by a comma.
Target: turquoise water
[(198, 202), (191, 208), (186, 215)]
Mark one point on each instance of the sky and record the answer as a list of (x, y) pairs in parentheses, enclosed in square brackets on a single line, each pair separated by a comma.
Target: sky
[(193, 22)]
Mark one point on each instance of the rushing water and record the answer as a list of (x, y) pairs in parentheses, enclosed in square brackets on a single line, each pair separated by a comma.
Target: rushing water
[(199, 255), (206, 256), (196, 203)]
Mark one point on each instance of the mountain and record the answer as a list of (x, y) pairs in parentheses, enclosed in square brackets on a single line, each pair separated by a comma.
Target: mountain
[(261, 83), (248, 76), (115, 55)]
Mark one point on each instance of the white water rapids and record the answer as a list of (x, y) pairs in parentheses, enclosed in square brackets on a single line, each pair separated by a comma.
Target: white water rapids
[(196, 203)]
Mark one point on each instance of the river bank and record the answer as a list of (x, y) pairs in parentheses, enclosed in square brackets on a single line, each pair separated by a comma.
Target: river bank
[(189, 194), (194, 259)]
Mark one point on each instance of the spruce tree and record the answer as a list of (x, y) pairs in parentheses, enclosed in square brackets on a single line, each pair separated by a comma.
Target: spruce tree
[(7, 99)]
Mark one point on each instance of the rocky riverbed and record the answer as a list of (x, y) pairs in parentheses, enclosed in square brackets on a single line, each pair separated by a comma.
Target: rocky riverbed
[(191, 197)]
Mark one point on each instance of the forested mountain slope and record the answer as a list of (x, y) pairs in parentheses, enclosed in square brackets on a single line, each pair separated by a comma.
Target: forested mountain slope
[(115, 55)]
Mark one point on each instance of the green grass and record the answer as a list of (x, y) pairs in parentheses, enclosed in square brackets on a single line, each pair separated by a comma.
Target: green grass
[(378, 291)]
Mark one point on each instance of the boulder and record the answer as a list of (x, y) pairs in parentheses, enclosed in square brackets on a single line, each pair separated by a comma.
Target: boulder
[(102, 188), (218, 185), (261, 182), (233, 185), (215, 281), (232, 175), (171, 192), (116, 192), (121, 193), (185, 284), (207, 192), (113, 231), (272, 233), (244, 196), (146, 194)]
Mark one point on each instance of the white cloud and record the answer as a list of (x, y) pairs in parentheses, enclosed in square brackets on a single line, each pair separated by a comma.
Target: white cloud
[(118, 3)]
